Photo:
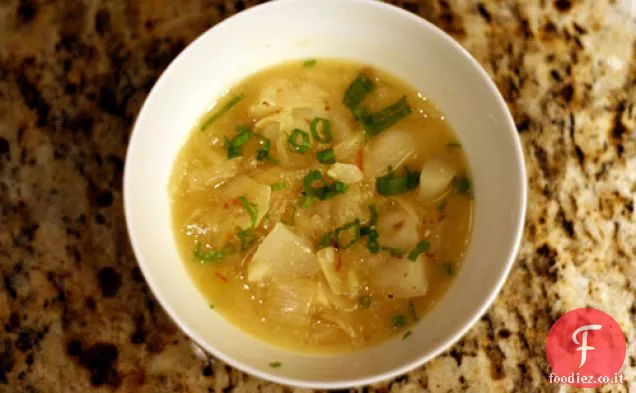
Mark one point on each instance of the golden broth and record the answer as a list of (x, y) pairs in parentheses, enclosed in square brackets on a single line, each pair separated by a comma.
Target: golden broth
[(349, 297)]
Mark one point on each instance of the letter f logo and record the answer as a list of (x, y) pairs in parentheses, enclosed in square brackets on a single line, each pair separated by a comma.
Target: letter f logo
[(584, 347)]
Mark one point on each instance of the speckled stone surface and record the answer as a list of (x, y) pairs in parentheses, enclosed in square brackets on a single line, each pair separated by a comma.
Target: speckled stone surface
[(75, 313)]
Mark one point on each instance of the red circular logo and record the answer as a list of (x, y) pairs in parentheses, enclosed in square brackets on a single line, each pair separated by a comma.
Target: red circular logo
[(586, 348)]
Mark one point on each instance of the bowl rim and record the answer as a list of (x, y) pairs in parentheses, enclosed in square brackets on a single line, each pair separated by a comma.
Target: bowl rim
[(476, 314)]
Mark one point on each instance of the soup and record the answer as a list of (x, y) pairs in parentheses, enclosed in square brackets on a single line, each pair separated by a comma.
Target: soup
[(322, 206)]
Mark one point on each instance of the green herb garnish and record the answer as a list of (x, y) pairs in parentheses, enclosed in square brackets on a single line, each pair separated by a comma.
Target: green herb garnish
[(391, 184), (421, 247), (325, 128), (296, 145), (463, 185), (211, 306), (235, 100), (309, 63), (406, 335), (326, 156), (315, 185), (251, 208), (365, 301), (234, 146), (211, 256), (454, 145), (398, 321), (278, 186), (306, 201), (262, 153), (375, 123), (372, 241), (449, 268), (276, 364), (357, 91), (348, 234)]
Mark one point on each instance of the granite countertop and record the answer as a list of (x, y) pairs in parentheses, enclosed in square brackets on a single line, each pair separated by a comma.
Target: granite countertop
[(75, 313)]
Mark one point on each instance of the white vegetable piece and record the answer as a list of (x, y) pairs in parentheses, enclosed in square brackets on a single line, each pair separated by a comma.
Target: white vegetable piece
[(255, 192), (389, 149), (327, 258), (290, 300), (346, 173), (398, 227), (283, 253), (402, 278), (347, 150), (435, 179)]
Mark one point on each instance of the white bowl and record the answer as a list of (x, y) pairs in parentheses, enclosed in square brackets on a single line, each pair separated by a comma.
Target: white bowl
[(369, 32)]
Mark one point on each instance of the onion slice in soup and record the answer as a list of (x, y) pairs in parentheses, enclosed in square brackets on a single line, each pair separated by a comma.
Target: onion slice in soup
[(402, 277), (389, 149), (435, 180), (346, 173), (282, 253)]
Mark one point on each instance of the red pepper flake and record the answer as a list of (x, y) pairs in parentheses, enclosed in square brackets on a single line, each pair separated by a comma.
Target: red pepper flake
[(360, 159), (222, 277), (338, 262), (226, 205), (429, 254)]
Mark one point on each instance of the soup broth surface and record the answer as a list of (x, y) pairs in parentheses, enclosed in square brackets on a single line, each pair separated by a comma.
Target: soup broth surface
[(322, 206)]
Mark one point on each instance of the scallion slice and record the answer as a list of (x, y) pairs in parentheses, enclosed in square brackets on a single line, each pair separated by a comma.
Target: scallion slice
[(296, 145), (224, 109), (373, 211), (251, 208), (326, 156), (309, 63), (234, 146), (357, 91), (306, 201), (391, 184), (348, 234), (463, 185), (420, 248), (398, 321), (375, 123), (325, 129), (262, 153), (210, 256)]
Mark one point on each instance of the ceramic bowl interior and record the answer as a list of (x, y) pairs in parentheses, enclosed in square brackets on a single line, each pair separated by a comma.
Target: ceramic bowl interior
[(368, 32)]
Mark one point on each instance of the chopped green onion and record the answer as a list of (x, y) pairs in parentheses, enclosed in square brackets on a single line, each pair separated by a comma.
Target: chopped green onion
[(301, 146), (326, 136), (463, 185), (251, 209), (234, 146), (306, 201), (211, 306), (309, 181), (309, 63), (421, 247), (454, 145), (365, 301), (406, 335), (449, 268), (278, 186), (392, 184), (247, 238), (412, 310), (395, 252), (208, 256), (235, 100), (262, 153), (375, 123), (339, 187), (275, 364), (326, 156), (348, 234), (372, 242), (374, 215), (398, 321), (357, 91), (326, 241)]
